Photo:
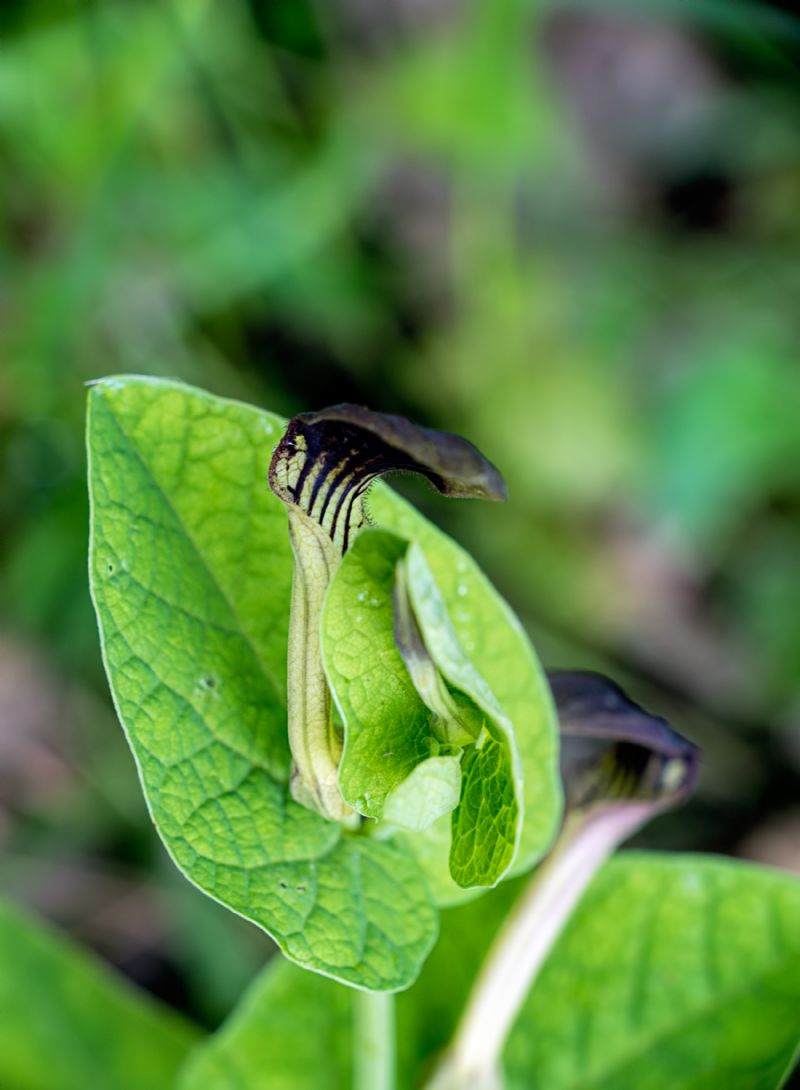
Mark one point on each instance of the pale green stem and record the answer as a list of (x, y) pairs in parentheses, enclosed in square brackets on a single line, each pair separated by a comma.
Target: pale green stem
[(526, 938), (373, 1041), (315, 747)]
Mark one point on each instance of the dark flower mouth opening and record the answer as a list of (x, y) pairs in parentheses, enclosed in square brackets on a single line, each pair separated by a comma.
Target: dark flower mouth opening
[(613, 751), (625, 772)]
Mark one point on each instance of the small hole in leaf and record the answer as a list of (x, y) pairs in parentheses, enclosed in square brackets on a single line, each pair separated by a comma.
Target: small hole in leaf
[(110, 568), (300, 889), (209, 682), (282, 885)]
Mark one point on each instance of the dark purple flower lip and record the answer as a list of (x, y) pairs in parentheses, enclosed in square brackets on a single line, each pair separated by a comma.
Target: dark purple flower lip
[(614, 751), (327, 460)]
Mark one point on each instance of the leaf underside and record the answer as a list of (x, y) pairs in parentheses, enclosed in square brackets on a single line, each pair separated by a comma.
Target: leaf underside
[(500, 652), (390, 733), (485, 829)]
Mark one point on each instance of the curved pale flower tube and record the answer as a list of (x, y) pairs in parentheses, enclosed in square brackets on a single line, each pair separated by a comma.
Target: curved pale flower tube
[(321, 471)]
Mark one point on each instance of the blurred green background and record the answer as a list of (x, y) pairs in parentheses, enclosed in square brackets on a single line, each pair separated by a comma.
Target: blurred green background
[(568, 232)]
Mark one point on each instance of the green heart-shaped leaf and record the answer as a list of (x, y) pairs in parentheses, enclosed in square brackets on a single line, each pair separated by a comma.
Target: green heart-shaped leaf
[(674, 973), (190, 571)]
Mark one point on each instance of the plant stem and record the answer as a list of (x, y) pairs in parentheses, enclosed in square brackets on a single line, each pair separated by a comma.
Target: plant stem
[(526, 938), (373, 1041)]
